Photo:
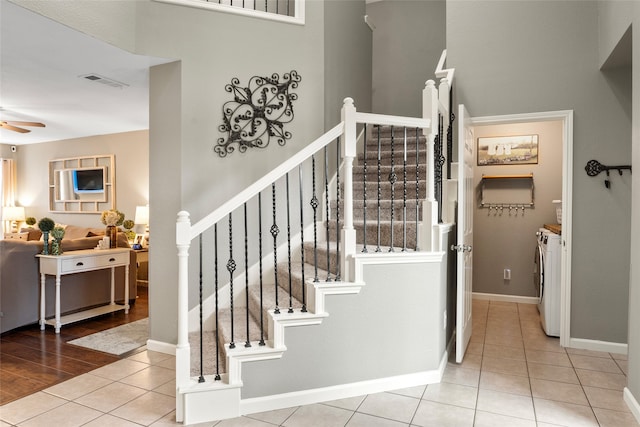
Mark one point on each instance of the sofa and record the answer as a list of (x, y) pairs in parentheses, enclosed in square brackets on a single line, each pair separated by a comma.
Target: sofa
[(20, 277)]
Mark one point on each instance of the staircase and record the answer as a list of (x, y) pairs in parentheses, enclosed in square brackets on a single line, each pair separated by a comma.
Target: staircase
[(373, 209), (367, 174)]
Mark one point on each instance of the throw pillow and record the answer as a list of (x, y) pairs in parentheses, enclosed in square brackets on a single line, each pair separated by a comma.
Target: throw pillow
[(34, 233)]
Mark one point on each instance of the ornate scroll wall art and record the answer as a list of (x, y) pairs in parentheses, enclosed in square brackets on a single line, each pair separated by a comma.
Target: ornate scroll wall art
[(258, 113)]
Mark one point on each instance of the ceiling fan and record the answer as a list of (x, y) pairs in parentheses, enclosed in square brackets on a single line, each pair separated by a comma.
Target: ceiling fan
[(14, 125)]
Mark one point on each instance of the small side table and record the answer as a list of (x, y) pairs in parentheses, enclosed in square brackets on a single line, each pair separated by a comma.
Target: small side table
[(142, 262)]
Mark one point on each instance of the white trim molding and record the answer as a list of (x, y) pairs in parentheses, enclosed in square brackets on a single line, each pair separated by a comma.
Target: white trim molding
[(596, 345), (505, 298), (632, 403)]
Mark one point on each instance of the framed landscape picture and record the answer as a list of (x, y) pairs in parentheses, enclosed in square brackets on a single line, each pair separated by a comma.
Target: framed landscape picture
[(508, 150)]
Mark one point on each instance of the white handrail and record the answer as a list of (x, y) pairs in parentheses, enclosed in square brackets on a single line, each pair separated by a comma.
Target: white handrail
[(287, 166)]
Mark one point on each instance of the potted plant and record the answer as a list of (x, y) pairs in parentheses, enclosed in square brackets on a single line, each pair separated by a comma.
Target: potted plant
[(31, 221), (128, 224), (46, 225), (56, 246)]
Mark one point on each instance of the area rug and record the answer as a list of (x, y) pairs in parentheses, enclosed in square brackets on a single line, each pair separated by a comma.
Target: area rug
[(118, 340)]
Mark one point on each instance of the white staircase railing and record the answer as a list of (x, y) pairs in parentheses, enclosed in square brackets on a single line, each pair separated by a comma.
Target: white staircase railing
[(345, 132)]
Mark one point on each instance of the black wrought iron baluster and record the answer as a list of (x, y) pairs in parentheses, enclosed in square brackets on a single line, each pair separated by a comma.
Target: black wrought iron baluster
[(404, 194), (289, 244), (231, 267), (326, 197), (274, 233), (417, 184), (392, 180), (260, 267), (215, 250), (304, 295), (452, 118), (246, 274), (439, 162), (201, 378), (337, 278), (364, 192), (314, 204), (266, 7), (379, 191)]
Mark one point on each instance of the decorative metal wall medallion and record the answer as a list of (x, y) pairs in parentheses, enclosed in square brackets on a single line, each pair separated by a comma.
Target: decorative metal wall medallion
[(257, 113)]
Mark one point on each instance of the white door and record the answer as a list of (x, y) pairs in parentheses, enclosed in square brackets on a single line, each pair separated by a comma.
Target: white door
[(466, 161)]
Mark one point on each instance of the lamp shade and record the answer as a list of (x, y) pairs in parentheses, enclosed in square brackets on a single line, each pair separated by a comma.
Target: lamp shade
[(13, 213), (142, 215)]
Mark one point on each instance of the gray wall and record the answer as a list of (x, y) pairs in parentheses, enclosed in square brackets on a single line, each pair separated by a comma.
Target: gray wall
[(407, 43), (131, 152), (531, 56), (372, 346), (507, 240), (347, 54)]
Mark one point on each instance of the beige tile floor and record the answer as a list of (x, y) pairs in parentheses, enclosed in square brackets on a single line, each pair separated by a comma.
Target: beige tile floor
[(512, 375)]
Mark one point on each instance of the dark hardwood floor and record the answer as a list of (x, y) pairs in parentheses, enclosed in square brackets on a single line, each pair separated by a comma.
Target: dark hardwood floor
[(32, 360)]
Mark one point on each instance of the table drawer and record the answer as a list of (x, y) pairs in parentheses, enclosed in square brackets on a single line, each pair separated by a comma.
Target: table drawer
[(77, 264), (93, 262)]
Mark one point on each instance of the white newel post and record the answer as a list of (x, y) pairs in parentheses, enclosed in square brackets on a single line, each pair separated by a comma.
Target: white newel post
[(183, 362), (426, 235), (348, 241)]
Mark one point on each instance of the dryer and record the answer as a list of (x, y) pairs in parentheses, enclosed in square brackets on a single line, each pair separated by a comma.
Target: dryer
[(547, 279)]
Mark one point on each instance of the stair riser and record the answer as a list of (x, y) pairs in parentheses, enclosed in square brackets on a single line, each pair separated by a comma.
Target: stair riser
[(385, 170), (385, 190), (385, 211), (398, 158), (385, 234)]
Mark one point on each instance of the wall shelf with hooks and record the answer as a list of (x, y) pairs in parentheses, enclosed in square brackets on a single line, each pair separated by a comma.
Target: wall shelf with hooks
[(512, 185)]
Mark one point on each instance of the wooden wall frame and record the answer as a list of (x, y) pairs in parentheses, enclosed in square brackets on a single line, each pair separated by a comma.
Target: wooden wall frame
[(90, 203)]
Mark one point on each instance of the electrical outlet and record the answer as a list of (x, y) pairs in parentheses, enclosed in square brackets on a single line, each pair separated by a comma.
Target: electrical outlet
[(507, 274)]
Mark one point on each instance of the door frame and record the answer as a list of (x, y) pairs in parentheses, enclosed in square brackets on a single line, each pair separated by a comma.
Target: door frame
[(566, 117)]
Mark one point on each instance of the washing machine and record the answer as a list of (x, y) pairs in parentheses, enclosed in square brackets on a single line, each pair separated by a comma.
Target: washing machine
[(547, 278)]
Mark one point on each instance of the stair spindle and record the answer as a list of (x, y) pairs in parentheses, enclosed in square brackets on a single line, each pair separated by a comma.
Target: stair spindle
[(231, 267), (300, 185), (337, 278), (274, 233), (246, 274), (314, 204), (289, 243), (260, 267), (392, 180), (215, 250), (379, 190), (417, 184), (201, 378), (404, 194), (364, 192), (326, 196)]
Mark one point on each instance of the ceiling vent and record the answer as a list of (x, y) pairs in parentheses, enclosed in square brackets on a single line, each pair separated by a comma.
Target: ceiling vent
[(104, 80)]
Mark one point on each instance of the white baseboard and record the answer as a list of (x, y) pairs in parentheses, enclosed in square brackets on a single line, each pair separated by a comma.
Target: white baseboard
[(161, 347), (632, 403), (505, 298), (306, 397), (595, 345)]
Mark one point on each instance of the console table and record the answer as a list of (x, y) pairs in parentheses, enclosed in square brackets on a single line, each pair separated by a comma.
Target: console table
[(78, 262)]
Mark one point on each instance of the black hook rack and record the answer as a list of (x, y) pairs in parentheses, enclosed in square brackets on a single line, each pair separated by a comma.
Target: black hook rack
[(594, 168)]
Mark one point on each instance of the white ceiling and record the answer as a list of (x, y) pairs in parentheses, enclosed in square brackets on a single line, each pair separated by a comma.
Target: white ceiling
[(40, 64)]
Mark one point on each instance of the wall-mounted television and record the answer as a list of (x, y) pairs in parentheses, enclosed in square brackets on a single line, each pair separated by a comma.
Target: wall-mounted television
[(88, 180)]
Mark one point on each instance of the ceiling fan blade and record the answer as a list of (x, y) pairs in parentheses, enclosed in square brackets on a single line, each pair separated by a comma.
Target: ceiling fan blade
[(7, 126), (19, 123)]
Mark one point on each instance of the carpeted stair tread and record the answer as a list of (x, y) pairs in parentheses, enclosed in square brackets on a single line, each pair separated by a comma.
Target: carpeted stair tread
[(385, 209), (269, 303)]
